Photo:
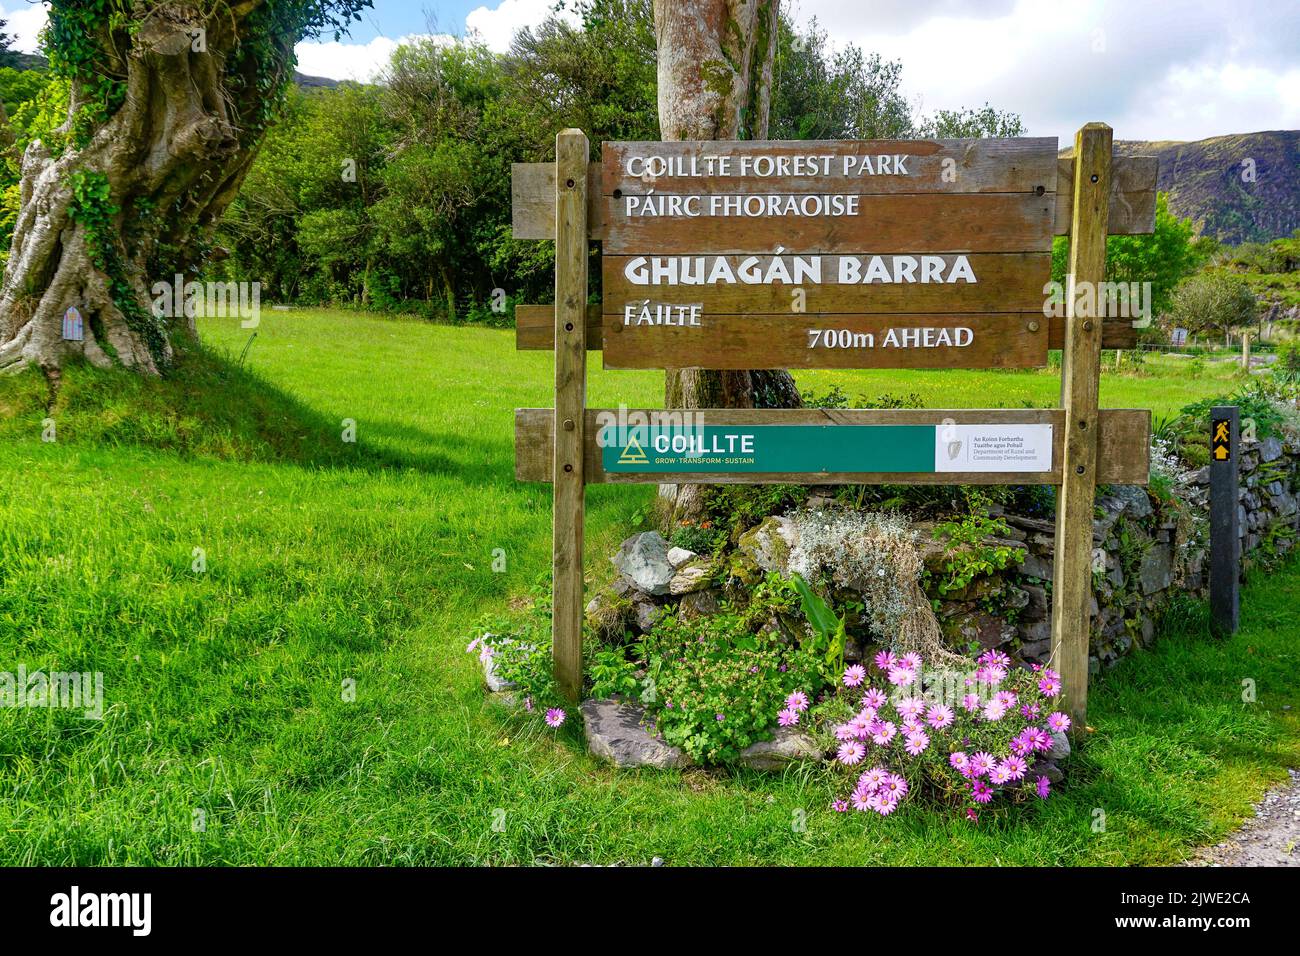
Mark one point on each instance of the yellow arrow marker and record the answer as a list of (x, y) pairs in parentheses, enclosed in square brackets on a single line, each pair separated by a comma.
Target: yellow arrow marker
[(1221, 453)]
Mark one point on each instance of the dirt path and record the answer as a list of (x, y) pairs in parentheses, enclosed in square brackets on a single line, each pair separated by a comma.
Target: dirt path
[(1270, 838)]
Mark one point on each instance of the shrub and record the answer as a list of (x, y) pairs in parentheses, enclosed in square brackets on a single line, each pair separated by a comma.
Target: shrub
[(962, 739)]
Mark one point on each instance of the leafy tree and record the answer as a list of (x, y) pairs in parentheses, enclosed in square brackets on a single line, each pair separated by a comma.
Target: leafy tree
[(168, 103), (1213, 303)]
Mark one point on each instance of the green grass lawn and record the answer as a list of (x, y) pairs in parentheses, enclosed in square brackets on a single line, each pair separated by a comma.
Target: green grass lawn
[(329, 561)]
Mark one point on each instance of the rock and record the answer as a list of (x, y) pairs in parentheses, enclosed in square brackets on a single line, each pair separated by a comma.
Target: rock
[(788, 745), (495, 683), (696, 576), (769, 543), (1036, 566), (614, 733), (1060, 746), (1036, 651), (1037, 608), (679, 556), (644, 559), (980, 626), (1137, 503), (700, 604), (646, 613), (1045, 768), (657, 861), (1156, 570), (1270, 449)]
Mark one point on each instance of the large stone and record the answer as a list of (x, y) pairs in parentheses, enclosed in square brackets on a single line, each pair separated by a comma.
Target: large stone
[(696, 576), (700, 604), (1137, 503), (644, 559), (788, 745), (615, 733), (1037, 608), (988, 630), (1156, 571), (1270, 449), (646, 614), (495, 683), (679, 556), (1037, 566), (769, 544), (1060, 746)]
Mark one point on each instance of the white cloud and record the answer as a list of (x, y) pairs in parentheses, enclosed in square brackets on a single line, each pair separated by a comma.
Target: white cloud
[(497, 27), (24, 22), (362, 62), (1176, 69)]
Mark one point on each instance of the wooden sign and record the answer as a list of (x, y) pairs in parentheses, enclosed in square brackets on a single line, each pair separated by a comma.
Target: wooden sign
[(882, 254), (907, 254)]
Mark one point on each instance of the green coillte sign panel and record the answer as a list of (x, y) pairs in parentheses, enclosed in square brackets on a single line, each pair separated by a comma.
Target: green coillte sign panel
[(770, 448), (834, 449)]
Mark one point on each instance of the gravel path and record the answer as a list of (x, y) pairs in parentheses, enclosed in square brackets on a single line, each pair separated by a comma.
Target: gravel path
[(1270, 838)]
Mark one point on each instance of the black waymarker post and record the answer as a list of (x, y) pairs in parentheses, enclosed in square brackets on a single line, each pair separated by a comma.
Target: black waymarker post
[(1225, 530)]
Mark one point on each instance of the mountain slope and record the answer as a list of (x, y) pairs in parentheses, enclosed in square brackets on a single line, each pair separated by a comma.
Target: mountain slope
[(1204, 180)]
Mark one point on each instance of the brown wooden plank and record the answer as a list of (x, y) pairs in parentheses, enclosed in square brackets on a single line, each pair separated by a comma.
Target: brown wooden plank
[(1025, 165), (1123, 438), (535, 330), (996, 340), (1132, 196), (572, 153), (1132, 207), (1005, 282), (532, 200), (1080, 370), (916, 224)]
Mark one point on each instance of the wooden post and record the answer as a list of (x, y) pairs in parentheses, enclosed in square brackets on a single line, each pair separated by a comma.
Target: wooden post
[(1225, 526), (1245, 350), (1080, 368), (572, 153)]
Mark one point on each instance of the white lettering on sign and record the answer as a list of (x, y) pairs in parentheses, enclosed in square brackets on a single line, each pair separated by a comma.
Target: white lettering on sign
[(795, 270), (922, 337), (695, 446), (662, 313), (993, 448), (764, 166), (754, 205)]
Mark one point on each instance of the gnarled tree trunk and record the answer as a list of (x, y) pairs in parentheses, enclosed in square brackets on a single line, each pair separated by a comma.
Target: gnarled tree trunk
[(715, 82), (172, 154)]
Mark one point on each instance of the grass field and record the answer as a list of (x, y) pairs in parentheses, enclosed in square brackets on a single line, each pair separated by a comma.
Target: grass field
[(227, 738)]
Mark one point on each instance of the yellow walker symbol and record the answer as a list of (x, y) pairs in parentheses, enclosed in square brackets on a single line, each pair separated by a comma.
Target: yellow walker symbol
[(1222, 440), (633, 453)]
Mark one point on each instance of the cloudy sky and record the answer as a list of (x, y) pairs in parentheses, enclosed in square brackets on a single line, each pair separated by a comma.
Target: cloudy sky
[(1153, 69)]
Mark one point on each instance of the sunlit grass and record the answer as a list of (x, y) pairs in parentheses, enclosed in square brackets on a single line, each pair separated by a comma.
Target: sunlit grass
[(329, 561)]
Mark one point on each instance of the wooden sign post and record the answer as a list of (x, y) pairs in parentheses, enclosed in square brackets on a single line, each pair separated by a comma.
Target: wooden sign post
[(875, 254)]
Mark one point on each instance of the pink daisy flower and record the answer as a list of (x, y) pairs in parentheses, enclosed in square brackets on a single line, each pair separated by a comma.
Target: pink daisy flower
[(846, 732), (981, 792), (1038, 738), (901, 676), (911, 725), (788, 717), (873, 779), (861, 801), (981, 763), (867, 713), (995, 710), (850, 752), (854, 675), (1049, 686), (1016, 767), (861, 727), (1043, 788), (839, 806), (939, 716), (554, 717), (910, 707), (1000, 774), (885, 660), (798, 701), (1030, 711), (472, 645), (917, 741), (885, 805), (911, 661), (874, 698), (884, 733), (1058, 721), (971, 702), (1020, 744), (958, 760)]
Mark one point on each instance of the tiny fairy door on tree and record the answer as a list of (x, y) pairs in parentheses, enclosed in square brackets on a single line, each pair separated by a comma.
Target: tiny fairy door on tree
[(73, 327)]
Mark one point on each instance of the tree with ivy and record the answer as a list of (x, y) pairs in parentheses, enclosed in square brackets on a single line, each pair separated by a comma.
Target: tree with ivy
[(167, 104)]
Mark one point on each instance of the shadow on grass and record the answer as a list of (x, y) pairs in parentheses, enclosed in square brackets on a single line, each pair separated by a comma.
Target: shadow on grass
[(209, 406)]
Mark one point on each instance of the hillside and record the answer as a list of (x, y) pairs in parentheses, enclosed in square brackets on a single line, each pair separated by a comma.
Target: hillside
[(1204, 182)]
